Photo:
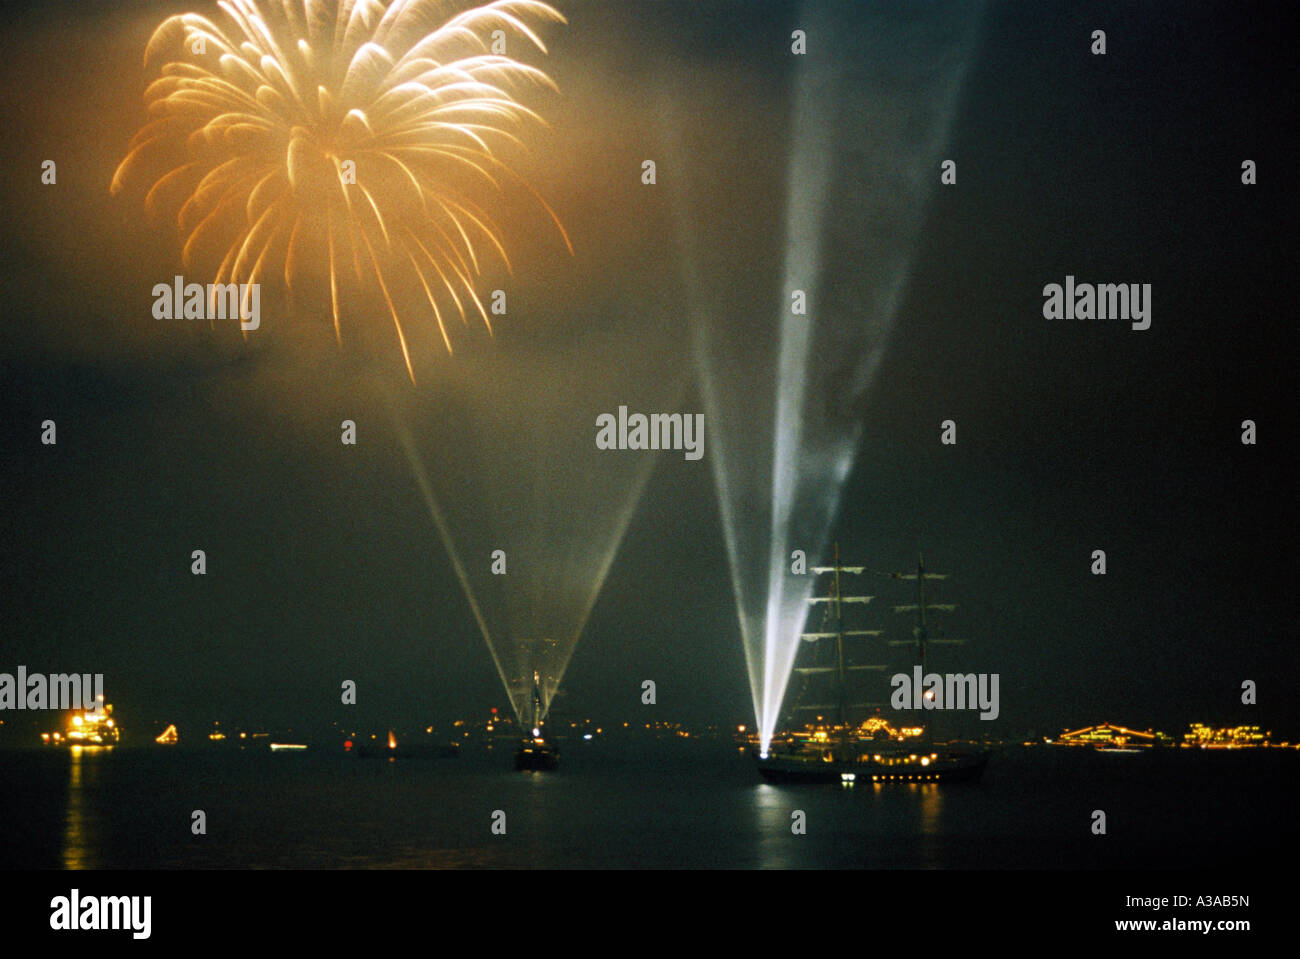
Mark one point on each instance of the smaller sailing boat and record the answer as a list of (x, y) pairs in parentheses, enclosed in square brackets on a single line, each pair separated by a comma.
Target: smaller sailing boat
[(847, 753), (535, 753)]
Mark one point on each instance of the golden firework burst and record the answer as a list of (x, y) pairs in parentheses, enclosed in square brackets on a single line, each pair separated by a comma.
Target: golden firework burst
[(354, 130)]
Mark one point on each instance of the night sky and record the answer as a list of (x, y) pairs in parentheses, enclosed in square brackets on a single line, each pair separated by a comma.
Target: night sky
[(324, 565)]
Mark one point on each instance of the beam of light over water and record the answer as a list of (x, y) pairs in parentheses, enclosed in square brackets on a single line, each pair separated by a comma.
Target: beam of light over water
[(871, 107), (440, 523), (505, 459)]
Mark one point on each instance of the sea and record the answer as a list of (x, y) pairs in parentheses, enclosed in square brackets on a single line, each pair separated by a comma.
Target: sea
[(660, 806)]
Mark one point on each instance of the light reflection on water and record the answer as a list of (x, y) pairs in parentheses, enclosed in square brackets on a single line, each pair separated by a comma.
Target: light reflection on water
[(87, 808), (82, 827), (875, 824), (772, 808), (931, 825)]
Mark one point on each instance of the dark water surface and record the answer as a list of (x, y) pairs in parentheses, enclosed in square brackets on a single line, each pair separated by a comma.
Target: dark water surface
[(688, 806)]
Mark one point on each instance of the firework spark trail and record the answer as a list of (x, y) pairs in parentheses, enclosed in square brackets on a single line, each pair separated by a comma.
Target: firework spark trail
[(347, 132)]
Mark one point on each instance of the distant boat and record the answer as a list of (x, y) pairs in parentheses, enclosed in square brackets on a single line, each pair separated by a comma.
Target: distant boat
[(535, 754), (848, 753), (395, 750), (92, 727)]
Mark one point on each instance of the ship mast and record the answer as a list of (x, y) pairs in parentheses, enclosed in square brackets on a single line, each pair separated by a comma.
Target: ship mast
[(537, 703), (839, 641), (921, 632), (835, 600)]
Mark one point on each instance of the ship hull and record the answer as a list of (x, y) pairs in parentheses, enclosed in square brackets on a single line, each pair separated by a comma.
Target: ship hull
[(534, 758), (789, 770)]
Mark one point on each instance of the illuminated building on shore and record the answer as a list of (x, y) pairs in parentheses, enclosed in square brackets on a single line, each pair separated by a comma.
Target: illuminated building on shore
[(1226, 737), (1111, 735), (877, 728)]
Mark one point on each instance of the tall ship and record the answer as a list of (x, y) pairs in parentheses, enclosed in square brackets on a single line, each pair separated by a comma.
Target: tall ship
[(848, 741), (535, 752)]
